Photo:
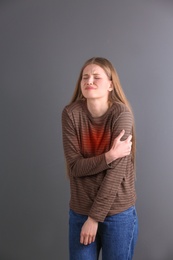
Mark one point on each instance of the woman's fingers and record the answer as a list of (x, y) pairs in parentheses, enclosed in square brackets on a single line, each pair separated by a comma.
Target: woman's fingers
[(120, 135), (129, 138), (87, 239)]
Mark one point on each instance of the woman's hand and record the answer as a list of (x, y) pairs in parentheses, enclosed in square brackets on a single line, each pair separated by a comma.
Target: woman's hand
[(119, 148), (88, 231)]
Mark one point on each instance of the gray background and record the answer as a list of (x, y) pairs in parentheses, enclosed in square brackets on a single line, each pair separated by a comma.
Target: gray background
[(43, 45)]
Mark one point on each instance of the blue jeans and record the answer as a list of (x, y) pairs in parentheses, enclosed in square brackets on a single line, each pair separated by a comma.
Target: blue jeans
[(116, 236)]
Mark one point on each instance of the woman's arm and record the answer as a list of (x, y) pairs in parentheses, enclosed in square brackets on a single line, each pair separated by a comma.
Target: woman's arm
[(114, 176), (79, 166), (119, 148)]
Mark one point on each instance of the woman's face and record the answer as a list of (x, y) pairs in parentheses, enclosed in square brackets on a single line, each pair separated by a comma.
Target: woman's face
[(95, 84)]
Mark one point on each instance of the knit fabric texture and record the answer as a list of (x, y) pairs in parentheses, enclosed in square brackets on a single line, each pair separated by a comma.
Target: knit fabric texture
[(97, 189)]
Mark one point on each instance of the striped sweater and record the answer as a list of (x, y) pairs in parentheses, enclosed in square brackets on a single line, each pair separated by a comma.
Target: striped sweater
[(97, 189)]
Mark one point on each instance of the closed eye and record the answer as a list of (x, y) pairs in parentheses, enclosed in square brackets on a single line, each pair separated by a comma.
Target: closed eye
[(85, 77)]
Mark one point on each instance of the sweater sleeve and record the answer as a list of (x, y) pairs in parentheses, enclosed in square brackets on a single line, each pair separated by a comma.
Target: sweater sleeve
[(114, 176), (77, 165)]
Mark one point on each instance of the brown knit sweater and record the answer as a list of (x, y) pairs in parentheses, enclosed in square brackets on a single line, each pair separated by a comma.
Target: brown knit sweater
[(97, 189)]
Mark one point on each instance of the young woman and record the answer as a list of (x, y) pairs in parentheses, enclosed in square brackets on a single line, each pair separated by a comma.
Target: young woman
[(99, 147)]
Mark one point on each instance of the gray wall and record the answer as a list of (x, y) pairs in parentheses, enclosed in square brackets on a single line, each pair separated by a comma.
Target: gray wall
[(43, 44)]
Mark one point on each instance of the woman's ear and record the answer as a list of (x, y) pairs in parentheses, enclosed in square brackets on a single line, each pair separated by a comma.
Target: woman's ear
[(111, 86)]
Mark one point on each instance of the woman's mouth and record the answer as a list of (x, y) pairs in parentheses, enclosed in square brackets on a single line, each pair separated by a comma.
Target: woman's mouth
[(89, 88)]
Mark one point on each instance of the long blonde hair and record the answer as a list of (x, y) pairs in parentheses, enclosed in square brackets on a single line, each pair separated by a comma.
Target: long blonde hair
[(116, 95)]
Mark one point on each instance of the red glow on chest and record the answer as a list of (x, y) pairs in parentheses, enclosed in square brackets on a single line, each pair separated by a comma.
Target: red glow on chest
[(96, 141)]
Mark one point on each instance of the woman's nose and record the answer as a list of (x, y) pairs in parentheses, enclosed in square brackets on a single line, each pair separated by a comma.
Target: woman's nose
[(90, 81)]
